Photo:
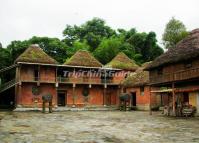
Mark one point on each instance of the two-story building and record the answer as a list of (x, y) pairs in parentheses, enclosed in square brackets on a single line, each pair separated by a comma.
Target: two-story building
[(175, 74), (81, 81)]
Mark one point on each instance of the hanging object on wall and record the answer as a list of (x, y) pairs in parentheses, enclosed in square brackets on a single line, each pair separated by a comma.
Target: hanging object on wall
[(35, 90)]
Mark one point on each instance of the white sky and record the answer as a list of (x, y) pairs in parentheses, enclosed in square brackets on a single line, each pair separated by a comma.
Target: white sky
[(22, 19)]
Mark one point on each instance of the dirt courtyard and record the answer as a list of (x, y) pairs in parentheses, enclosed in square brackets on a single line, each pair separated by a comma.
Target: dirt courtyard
[(96, 127)]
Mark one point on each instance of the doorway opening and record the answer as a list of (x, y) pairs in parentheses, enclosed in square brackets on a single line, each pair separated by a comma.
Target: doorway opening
[(61, 99), (133, 99)]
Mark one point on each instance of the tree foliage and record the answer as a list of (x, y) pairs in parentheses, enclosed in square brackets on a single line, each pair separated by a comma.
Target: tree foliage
[(52, 46), (94, 36), (107, 50), (93, 31), (174, 32)]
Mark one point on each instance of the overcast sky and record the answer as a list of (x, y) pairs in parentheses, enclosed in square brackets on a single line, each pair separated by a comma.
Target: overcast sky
[(22, 19)]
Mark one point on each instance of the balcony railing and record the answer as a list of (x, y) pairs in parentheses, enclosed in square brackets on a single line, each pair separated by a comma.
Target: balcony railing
[(186, 74), (176, 76), (37, 79), (82, 80), (78, 80)]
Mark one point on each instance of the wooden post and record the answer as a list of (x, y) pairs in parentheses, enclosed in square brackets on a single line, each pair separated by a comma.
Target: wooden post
[(43, 106), (38, 78), (89, 77), (50, 107), (56, 76), (17, 86), (173, 99), (74, 94), (150, 111), (105, 96), (118, 96)]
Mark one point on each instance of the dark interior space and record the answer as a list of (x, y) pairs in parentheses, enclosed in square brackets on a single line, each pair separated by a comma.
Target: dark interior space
[(61, 99), (7, 99), (133, 98)]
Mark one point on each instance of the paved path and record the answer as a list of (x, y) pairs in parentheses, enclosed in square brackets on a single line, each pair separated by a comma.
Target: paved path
[(96, 127)]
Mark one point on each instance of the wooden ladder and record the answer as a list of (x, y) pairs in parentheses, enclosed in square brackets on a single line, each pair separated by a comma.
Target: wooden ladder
[(8, 85)]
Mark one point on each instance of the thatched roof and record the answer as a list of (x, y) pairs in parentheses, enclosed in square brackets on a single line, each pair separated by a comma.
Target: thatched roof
[(139, 78), (122, 61), (83, 58), (34, 54), (186, 49)]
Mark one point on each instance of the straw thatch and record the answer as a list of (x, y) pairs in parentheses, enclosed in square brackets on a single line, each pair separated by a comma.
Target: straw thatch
[(186, 49), (34, 54), (122, 61), (139, 78), (83, 58)]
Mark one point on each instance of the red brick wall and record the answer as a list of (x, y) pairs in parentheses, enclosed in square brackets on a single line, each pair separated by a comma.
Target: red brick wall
[(144, 99), (27, 72), (47, 73), (27, 99), (95, 97)]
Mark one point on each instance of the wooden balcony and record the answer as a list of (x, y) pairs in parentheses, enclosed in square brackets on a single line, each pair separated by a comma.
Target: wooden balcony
[(71, 80), (191, 73), (82, 80), (40, 80)]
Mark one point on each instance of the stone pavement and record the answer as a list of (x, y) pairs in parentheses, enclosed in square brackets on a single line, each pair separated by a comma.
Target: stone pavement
[(96, 127)]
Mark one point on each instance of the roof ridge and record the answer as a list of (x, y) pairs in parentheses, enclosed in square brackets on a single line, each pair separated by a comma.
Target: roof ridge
[(34, 54), (83, 58), (122, 61)]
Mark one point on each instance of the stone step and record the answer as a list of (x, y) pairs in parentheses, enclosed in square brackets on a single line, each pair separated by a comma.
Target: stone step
[(58, 109)]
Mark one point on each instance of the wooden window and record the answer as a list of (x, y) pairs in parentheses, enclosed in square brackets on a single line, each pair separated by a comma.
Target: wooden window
[(142, 90), (186, 97), (160, 71), (36, 74), (124, 90)]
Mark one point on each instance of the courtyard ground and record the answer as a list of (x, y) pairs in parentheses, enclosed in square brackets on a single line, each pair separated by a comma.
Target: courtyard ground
[(96, 127)]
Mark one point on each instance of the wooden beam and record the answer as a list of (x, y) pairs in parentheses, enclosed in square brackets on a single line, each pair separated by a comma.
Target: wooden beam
[(73, 94), (18, 86), (150, 111), (173, 99), (104, 97)]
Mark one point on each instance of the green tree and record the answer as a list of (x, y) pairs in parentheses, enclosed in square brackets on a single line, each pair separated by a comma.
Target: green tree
[(93, 31), (152, 49), (52, 46), (174, 32), (107, 50), (5, 58), (110, 47), (144, 45), (15, 48), (77, 46)]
